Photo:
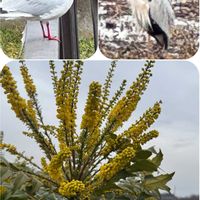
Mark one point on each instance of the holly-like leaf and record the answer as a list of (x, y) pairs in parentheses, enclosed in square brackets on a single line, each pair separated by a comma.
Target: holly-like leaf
[(20, 180), (142, 165), (111, 183), (158, 159), (159, 182), (142, 155), (19, 195)]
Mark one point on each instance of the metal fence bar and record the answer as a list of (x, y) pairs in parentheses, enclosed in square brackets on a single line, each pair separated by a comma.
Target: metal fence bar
[(69, 47), (1, 9), (94, 8)]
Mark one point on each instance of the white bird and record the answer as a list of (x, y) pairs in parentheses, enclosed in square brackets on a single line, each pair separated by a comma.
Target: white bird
[(37, 10), (155, 17)]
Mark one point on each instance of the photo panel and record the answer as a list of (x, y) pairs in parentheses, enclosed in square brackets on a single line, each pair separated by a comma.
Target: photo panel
[(148, 29), (119, 130), (48, 29)]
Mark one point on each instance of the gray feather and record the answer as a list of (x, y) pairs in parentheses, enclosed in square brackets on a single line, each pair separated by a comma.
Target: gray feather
[(162, 13)]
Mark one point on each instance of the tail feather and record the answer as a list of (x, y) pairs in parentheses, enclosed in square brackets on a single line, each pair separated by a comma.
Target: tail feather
[(15, 15)]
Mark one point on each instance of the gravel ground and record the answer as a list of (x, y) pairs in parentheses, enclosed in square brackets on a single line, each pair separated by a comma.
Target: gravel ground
[(119, 38)]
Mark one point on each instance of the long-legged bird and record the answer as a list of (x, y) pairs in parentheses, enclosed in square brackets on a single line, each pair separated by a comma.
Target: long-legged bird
[(39, 10), (155, 17)]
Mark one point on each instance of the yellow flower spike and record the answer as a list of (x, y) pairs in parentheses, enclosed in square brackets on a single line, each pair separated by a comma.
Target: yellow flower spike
[(72, 188), (18, 104), (9, 147), (44, 164), (148, 136), (147, 119), (67, 89), (32, 112), (65, 151), (121, 160), (91, 117), (54, 168), (2, 190), (136, 129), (124, 107), (28, 82)]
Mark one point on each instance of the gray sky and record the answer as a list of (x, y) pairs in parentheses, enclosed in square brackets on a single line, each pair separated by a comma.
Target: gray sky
[(175, 83)]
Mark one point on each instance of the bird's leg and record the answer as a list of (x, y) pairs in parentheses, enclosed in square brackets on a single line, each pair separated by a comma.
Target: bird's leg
[(43, 31), (148, 41), (49, 33)]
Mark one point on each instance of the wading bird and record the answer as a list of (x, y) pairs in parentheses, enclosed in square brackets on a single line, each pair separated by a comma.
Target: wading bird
[(38, 10), (155, 17)]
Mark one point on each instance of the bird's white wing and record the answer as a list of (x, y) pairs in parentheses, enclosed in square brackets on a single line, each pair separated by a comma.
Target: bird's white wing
[(140, 11), (162, 13), (58, 10), (34, 7)]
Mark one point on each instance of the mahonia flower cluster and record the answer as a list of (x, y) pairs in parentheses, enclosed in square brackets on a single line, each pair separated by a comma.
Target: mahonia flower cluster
[(32, 113), (17, 102), (53, 75), (108, 106), (77, 166), (134, 133), (106, 88), (91, 117), (23, 109), (124, 108), (66, 91), (115, 144), (54, 168), (145, 122), (148, 136), (28, 81), (44, 164), (121, 160), (90, 120), (72, 188), (9, 147)]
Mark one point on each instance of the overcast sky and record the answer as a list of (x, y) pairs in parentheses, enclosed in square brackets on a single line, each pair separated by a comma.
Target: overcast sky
[(175, 83)]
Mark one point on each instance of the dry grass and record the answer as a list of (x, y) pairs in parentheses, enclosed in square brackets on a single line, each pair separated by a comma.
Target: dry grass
[(10, 38)]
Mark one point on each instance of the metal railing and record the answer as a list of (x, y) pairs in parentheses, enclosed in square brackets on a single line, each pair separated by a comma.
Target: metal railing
[(68, 27)]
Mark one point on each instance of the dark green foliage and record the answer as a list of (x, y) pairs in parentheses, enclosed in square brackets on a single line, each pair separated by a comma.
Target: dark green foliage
[(138, 181), (22, 185)]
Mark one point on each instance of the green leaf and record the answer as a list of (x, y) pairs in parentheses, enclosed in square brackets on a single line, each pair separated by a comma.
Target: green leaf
[(20, 180), (111, 183), (142, 155), (152, 149), (5, 173), (3, 161), (158, 159), (166, 188), (19, 195), (159, 182), (142, 165), (33, 186)]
